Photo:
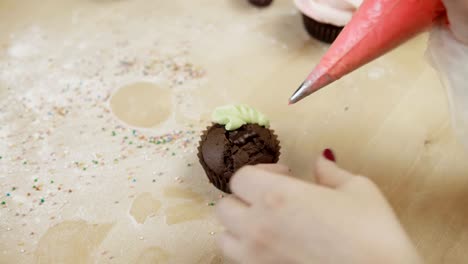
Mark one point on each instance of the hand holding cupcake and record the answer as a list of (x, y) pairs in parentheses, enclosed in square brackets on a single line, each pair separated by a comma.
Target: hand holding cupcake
[(239, 136)]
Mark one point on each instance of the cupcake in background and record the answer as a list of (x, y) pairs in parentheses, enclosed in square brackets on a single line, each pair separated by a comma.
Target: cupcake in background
[(324, 19), (261, 3)]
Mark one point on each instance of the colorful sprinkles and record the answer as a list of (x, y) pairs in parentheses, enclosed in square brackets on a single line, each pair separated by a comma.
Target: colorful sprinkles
[(55, 156)]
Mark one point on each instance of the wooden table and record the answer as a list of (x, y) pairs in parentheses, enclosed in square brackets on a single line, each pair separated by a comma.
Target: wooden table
[(80, 186)]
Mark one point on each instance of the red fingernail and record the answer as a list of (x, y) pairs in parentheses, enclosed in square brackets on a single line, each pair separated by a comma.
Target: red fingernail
[(328, 154)]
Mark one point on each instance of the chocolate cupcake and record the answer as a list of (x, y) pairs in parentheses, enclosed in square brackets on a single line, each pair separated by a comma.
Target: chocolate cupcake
[(325, 19), (261, 3), (321, 31), (239, 136)]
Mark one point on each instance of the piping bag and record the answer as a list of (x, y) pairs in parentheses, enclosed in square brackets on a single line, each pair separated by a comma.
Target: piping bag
[(377, 27)]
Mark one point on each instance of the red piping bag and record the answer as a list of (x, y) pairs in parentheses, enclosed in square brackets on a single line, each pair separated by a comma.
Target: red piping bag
[(376, 28)]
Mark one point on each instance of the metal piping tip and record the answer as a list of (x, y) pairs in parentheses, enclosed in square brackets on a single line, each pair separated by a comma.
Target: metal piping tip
[(303, 91), (310, 86)]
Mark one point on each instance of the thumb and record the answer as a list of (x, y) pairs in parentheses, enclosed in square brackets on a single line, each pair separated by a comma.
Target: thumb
[(329, 175)]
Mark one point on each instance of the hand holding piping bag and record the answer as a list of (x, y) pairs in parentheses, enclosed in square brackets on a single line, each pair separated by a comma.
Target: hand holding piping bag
[(340, 217), (457, 12), (377, 27), (448, 51), (381, 25)]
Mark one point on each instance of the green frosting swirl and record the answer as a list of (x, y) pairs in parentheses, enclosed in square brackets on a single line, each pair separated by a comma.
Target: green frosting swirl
[(235, 116)]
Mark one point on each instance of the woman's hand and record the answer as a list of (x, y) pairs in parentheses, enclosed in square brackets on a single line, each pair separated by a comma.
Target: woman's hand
[(343, 218), (457, 11)]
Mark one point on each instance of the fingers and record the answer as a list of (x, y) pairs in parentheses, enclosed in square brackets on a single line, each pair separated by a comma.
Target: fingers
[(275, 168), (251, 183), (330, 175), (232, 213), (230, 246)]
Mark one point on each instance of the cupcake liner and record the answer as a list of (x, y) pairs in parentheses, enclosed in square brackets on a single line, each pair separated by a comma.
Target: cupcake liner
[(219, 182), (277, 143), (261, 3), (321, 31), (222, 181)]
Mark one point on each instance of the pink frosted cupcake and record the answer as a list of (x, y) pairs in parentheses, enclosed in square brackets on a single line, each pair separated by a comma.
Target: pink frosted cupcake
[(324, 19)]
